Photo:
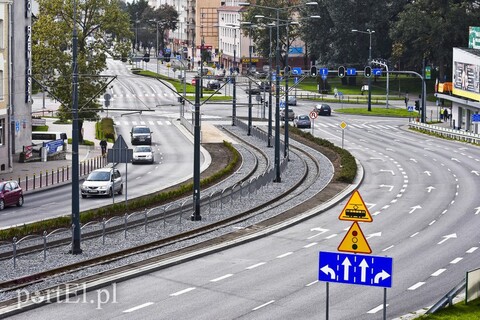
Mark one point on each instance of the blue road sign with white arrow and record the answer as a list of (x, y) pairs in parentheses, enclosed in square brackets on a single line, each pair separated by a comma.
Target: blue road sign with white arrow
[(377, 72), (324, 71), (351, 71), (358, 269)]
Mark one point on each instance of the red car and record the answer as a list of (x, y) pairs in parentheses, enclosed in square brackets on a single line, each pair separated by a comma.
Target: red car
[(10, 194)]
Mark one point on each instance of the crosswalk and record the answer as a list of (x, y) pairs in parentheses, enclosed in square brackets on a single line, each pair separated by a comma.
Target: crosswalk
[(143, 123), (359, 126)]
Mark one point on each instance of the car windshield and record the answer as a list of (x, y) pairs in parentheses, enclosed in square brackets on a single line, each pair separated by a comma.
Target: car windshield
[(141, 130), (143, 149), (303, 117), (99, 176)]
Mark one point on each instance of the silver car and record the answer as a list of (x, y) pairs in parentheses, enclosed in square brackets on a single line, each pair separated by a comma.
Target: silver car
[(102, 182), (143, 154)]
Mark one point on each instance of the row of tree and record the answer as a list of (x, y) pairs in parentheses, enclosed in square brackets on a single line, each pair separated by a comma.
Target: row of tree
[(406, 33)]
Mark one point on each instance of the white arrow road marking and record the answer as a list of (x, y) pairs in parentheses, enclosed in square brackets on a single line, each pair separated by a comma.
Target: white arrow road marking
[(381, 276), (386, 186), (415, 208), (346, 268), (448, 236), (377, 234), (427, 173), (363, 265), (414, 160), (478, 210), (430, 189), (455, 159), (476, 172), (391, 171), (327, 270)]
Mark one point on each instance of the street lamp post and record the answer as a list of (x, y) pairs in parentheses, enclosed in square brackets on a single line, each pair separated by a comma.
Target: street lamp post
[(369, 32), (277, 81), (232, 75)]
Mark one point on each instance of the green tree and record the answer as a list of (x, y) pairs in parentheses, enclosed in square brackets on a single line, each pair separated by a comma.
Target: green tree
[(430, 29), (97, 22)]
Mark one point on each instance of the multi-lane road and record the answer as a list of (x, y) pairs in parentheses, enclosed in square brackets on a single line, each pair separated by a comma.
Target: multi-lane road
[(421, 193)]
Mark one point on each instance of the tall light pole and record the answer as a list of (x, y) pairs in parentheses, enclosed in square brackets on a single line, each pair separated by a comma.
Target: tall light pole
[(369, 32), (232, 75), (75, 158), (277, 81)]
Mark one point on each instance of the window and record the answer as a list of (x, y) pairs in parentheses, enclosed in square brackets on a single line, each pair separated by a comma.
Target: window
[(2, 132)]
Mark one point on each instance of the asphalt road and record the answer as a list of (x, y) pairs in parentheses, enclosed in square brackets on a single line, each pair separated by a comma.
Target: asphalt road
[(421, 194)]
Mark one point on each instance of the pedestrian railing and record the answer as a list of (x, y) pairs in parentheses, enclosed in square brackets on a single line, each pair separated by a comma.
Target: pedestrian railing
[(446, 132), (173, 214), (52, 177)]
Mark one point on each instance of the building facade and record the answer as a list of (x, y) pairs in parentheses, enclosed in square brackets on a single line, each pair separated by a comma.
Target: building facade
[(5, 81)]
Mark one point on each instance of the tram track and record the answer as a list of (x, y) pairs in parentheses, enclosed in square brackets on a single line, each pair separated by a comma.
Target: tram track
[(311, 171)]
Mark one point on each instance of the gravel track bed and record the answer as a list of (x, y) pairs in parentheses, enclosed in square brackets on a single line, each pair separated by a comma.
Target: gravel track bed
[(33, 263)]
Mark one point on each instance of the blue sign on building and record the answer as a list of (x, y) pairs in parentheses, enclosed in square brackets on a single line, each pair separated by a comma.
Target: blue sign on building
[(295, 50), (476, 117), (351, 71), (358, 269)]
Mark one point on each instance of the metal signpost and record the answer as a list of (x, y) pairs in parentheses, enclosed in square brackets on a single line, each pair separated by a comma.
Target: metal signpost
[(357, 268), (120, 153), (343, 125), (313, 116)]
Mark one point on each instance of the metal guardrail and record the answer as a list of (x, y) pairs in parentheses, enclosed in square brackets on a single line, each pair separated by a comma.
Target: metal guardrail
[(447, 132), (448, 298)]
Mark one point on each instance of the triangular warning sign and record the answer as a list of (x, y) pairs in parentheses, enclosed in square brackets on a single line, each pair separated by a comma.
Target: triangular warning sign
[(354, 241), (355, 209)]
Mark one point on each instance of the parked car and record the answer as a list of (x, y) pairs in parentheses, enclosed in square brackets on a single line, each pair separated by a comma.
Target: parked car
[(291, 114), (292, 101), (141, 135), (254, 90), (323, 109), (264, 86), (10, 194), (213, 84), (143, 154), (102, 182), (302, 121)]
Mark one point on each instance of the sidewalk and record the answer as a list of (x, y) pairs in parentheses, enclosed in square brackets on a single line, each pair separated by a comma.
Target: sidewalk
[(40, 175)]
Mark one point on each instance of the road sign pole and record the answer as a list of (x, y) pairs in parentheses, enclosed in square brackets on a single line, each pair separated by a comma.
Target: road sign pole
[(384, 303), (343, 136), (327, 302)]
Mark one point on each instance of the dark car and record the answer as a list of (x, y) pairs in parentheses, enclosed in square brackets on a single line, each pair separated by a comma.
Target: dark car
[(264, 86), (213, 84), (141, 135), (323, 109), (253, 90), (302, 121), (10, 194)]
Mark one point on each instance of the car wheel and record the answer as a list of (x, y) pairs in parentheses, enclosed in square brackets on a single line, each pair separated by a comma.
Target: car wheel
[(110, 193), (20, 201), (120, 191), (2, 204), (84, 196)]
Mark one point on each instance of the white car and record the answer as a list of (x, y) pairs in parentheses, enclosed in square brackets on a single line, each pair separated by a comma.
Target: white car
[(102, 182), (143, 154)]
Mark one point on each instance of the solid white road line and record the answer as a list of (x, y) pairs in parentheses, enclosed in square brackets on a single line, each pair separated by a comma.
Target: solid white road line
[(310, 245), (311, 283), (222, 277), (416, 286), (255, 265), (263, 305), (182, 292), (138, 307)]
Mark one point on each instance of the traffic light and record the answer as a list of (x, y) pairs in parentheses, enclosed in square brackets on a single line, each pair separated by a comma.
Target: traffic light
[(287, 70), (417, 105), (367, 72), (341, 71), (313, 71), (146, 57), (166, 57)]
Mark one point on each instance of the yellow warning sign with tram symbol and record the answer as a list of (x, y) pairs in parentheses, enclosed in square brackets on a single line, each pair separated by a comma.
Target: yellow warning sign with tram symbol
[(355, 209), (354, 241)]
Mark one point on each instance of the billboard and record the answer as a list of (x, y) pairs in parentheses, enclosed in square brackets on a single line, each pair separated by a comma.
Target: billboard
[(466, 74)]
